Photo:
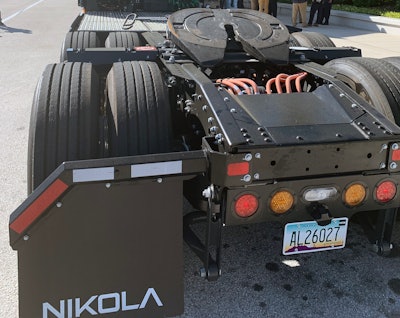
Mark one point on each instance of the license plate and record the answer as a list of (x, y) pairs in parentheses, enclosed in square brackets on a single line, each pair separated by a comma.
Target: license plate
[(305, 237)]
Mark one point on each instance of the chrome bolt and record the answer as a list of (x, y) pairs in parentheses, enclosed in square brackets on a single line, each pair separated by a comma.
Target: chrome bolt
[(248, 157), (233, 110), (384, 147), (256, 176), (159, 180), (395, 146), (26, 237), (58, 204), (246, 178), (393, 165), (204, 108), (210, 120), (226, 99), (258, 155), (108, 185), (382, 165)]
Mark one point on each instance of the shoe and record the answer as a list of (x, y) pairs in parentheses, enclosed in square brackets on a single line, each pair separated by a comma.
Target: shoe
[(309, 24), (325, 23), (305, 26), (315, 24)]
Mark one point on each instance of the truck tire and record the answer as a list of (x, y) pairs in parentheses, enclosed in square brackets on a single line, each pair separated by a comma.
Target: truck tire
[(139, 112), (78, 40), (64, 119), (312, 39), (394, 60), (377, 81), (123, 39)]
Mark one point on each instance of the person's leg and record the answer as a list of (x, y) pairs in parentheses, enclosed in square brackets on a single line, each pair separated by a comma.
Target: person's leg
[(254, 4), (312, 13), (273, 8), (295, 10), (303, 13), (319, 14), (234, 3)]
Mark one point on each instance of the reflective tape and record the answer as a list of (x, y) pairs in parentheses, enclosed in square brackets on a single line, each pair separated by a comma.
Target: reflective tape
[(156, 169), (93, 174)]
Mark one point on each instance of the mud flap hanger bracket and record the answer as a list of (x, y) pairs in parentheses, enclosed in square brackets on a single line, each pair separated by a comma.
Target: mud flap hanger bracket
[(209, 252)]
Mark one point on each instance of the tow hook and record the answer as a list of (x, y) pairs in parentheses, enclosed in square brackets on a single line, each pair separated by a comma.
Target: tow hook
[(320, 213)]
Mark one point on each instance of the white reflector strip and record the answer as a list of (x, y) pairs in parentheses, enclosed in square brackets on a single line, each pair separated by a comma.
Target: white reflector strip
[(93, 174), (156, 169)]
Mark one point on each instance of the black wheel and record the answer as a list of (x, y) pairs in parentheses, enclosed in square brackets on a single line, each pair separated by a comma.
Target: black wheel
[(139, 114), (377, 81), (394, 60), (123, 39), (312, 39), (78, 40), (64, 119)]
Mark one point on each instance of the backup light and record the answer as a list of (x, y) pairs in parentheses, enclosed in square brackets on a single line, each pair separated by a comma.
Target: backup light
[(246, 205), (385, 191), (354, 194), (319, 194), (281, 202)]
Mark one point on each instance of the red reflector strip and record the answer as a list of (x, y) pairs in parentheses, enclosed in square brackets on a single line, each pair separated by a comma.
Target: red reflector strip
[(38, 206), (238, 169), (396, 155)]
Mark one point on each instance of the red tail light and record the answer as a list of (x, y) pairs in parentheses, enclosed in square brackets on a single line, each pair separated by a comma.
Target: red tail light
[(385, 191), (246, 205)]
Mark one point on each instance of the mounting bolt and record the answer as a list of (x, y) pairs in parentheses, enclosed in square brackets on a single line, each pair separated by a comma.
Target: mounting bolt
[(159, 180), (382, 165), (395, 146), (226, 99), (257, 155), (247, 178), (248, 157), (393, 165), (202, 272), (204, 108), (384, 147), (233, 110), (207, 193), (256, 176), (58, 204), (108, 185), (26, 237), (210, 120)]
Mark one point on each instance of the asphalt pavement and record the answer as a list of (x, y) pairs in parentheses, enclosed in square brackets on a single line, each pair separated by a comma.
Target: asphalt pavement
[(257, 281)]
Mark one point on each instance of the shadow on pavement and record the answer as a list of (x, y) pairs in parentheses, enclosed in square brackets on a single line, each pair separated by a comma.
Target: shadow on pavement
[(5, 29)]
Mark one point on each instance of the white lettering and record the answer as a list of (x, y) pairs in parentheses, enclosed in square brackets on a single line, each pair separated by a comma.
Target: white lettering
[(153, 293), (100, 306), (46, 307), (70, 303), (126, 307), (86, 306), (106, 303)]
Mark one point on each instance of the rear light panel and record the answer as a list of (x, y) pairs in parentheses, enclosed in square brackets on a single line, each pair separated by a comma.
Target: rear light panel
[(289, 201)]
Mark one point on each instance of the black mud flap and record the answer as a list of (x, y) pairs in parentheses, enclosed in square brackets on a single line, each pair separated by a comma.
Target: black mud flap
[(104, 239)]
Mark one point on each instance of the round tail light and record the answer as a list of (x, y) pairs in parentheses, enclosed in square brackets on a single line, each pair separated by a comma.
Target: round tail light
[(385, 191), (246, 205), (281, 202), (354, 194)]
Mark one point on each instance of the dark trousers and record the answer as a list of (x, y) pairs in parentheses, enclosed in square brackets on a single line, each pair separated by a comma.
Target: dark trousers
[(273, 8), (315, 8), (326, 12)]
